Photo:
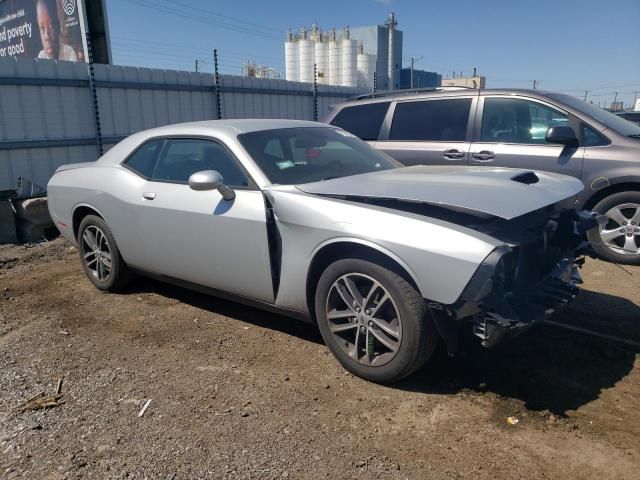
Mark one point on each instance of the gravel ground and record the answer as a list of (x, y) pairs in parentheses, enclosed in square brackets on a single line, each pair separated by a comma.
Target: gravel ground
[(239, 393)]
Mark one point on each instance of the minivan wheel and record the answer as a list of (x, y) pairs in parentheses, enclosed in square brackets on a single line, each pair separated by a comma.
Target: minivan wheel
[(373, 320), (100, 257), (619, 239)]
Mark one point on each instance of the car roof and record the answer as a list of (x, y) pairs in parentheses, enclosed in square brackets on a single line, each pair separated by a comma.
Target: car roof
[(224, 130), (231, 126), (386, 96)]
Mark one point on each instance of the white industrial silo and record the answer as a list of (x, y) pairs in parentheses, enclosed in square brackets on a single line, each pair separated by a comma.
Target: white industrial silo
[(366, 66), (291, 59), (335, 61), (349, 62), (322, 61), (307, 59)]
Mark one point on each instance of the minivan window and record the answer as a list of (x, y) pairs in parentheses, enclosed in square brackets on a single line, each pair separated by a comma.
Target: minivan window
[(144, 159), (608, 119), (364, 121), (182, 157), (431, 120), (592, 138), (515, 120)]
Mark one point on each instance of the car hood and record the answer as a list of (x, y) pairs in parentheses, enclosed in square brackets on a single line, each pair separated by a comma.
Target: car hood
[(501, 192)]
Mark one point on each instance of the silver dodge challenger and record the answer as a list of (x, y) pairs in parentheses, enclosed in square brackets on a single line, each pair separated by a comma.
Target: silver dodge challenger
[(308, 220)]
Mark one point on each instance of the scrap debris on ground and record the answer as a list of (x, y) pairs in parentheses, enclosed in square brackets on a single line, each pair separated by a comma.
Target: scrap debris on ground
[(239, 393)]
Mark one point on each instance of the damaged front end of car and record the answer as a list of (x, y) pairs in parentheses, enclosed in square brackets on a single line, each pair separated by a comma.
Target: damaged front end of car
[(522, 282)]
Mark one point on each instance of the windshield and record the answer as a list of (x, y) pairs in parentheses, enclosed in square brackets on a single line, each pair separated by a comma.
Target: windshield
[(291, 156), (614, 122)]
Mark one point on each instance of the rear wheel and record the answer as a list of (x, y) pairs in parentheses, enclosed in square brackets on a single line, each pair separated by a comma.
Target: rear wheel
[(373, 320), (619, 239), (99, 254)]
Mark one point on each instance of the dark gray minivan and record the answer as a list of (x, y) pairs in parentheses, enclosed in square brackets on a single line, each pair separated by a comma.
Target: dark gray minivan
[(514, 128)]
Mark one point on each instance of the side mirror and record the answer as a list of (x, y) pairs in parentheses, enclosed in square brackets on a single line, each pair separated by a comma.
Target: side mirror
[(562, 135), (210, 180)]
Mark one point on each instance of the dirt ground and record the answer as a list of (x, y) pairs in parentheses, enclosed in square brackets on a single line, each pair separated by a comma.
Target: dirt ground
[(239, 393)]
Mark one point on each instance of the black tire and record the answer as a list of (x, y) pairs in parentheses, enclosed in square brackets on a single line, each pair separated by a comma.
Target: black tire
[(119, 275), (604, 206), (418, 339)]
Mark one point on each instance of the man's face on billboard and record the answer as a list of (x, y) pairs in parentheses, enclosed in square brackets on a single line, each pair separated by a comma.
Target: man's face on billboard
[(48, 31)]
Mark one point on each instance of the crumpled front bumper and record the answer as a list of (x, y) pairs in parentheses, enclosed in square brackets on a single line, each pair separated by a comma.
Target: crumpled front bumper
[(498, 312), (505, 316), (519, 285)]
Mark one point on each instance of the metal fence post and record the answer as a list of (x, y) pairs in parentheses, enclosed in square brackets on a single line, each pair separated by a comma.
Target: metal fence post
[(217, 80), (94, 97), (315, 92)]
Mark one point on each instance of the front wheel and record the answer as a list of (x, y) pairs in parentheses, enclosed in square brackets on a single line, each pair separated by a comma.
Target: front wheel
[(619, 239), (373, 320)]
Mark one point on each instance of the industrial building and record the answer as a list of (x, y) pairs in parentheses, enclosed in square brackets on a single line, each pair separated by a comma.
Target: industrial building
[(349, 58), (475, 81), (385, 42), (421, 79)]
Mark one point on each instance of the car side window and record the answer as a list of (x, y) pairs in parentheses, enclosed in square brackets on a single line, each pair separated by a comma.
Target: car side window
[(364, 121), (143, 160), (431, 120), (182, 157), (591, 137), (515, 120)]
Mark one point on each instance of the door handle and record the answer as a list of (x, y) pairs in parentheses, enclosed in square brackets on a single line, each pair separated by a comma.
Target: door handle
[(149, 195), (483, 156), (452, 154)]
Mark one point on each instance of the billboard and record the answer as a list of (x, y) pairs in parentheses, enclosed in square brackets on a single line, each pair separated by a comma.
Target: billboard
[(49, 29)]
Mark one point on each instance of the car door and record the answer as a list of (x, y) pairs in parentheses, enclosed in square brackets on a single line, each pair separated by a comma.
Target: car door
[(197, 236), (429, 131), (511, 133)]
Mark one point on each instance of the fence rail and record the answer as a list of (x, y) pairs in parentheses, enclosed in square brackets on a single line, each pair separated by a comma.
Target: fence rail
[(47, 115)]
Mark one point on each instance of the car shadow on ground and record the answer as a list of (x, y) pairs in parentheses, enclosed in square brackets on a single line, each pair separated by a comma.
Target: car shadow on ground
[(227, 308), (547, 368)]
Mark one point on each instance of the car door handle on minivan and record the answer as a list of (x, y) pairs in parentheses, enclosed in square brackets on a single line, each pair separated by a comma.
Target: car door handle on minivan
[(452, 154), (149, 195), (483, 156)]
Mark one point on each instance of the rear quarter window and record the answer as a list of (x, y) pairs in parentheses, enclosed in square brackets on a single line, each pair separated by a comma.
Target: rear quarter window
[(364, 121), (143, 160)]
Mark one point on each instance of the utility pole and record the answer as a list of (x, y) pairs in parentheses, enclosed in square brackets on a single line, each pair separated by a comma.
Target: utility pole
[(586, 92), (535, 82), (413, 61), (196, 65)]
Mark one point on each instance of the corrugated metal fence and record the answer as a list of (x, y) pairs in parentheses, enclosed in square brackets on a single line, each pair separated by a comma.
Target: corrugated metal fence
[(47, 111)]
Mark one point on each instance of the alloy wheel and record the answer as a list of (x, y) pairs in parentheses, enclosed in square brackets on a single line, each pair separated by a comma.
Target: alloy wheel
[(96, 253), (364, 319), (622, 232)]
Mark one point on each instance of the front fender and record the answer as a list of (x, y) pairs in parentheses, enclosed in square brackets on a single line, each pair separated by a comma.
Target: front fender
[(366, 243)]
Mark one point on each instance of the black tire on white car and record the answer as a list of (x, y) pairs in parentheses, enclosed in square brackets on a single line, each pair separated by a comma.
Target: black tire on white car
[(100, 257), (373, 320)]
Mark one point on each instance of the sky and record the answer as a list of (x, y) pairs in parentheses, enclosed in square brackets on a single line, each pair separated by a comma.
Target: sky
[(565, 45)]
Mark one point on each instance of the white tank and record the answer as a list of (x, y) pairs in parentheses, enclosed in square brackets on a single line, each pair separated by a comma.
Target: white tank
[(291, 61), (349, 62), (307, 59), (366, 66), (322, 61), (335, 63)]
